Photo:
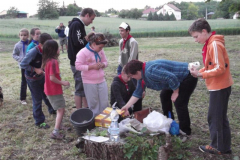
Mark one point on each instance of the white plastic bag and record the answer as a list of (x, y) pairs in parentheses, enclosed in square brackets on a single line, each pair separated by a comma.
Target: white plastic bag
[(157, 122), (125, 126)]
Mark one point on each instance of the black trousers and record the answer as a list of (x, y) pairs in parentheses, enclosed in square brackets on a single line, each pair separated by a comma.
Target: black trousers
[(23, 90), (186, 88)]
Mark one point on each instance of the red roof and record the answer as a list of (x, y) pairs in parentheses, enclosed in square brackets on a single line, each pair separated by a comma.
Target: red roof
[(147, 11), (173, 7)]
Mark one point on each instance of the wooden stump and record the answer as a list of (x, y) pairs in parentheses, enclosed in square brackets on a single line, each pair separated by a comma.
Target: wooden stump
[(114, 151), (104, 150)]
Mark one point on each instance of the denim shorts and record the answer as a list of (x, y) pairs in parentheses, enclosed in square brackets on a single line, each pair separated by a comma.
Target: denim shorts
[(79, 90), (57, 101)]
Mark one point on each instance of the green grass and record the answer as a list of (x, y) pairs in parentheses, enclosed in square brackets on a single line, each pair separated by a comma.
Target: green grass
[(20, 139), (11, 27)]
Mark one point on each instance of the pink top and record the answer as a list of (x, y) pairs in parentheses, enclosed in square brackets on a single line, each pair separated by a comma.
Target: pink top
[(51, 88), (85, 58)]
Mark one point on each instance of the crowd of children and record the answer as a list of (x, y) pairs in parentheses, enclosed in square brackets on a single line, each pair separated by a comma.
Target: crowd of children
[(39, 64)]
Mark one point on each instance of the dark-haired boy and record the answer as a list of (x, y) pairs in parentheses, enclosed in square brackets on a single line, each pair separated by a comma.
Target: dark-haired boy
[(218, 79), (35, 78)]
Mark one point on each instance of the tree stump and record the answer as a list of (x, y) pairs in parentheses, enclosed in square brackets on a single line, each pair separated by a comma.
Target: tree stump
[(114, 151), (104, 150)]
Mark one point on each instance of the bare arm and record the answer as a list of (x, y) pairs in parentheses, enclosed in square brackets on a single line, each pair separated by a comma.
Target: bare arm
[(55, 80), (131, 102)]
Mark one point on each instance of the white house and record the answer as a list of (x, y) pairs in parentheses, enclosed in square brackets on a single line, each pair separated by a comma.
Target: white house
[(236, 15), (170, 9)]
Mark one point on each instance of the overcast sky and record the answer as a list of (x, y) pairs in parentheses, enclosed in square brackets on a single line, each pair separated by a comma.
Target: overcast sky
[(30, 6)]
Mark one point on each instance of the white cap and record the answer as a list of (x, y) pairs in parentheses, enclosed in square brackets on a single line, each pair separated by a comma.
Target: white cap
[(123, 25)]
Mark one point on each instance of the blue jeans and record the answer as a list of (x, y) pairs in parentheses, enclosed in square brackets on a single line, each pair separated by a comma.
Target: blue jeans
[(37, 91)]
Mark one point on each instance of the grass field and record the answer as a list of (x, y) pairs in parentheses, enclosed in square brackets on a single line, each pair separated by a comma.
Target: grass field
[(20, 139), (11, 27)]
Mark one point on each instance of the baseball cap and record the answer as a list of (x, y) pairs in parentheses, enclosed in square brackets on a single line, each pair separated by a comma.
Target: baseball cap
[(123, 25)]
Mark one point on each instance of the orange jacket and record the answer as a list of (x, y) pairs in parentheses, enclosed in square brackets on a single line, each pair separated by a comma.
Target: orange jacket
[(217, 67)]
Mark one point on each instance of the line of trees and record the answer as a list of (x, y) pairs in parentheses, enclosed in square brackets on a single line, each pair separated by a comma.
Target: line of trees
[(155, 17), (132, 13), (48, 9)]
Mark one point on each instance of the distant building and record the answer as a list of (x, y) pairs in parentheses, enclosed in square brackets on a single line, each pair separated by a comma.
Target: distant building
[(3, 14), (146, 12), (236, 15), (170, 9), (20, 14)]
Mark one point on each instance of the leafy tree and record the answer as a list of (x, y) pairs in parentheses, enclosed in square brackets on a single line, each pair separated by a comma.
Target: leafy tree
[(223, 9), (123, 13), (166, 17), (47, 10), (136, 13), (12, 12), (192, 12), (233, 7), (172, 17), (72, 10), (211, 7), (146, 7), (150, 17), (133, 13), (183, 6), (112, 11), (62, 10), (155, 16), (98, 14), (160, 17)]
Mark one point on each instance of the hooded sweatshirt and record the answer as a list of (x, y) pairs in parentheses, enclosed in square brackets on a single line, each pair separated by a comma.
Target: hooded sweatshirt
[(119, 92), (217, 67), (76, 39)]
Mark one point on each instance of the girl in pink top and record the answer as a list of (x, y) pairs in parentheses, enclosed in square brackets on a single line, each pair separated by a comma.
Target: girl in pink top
[(91, 61), (53, 84)]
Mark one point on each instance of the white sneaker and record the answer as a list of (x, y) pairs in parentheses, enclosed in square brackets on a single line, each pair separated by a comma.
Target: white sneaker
[(24, 102)]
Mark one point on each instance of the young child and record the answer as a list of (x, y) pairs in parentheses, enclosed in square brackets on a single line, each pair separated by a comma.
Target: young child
[(35, 34), (19, 52), (218, 79), (91, 60), (122, 89), (32, 63), (53, 83)]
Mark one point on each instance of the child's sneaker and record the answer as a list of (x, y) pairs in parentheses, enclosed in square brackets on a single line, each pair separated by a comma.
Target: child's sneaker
[(43, 125), (56, 136), (23, 102)]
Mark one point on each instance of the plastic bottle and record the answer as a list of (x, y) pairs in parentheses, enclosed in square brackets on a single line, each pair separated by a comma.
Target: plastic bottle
[(114, 126)]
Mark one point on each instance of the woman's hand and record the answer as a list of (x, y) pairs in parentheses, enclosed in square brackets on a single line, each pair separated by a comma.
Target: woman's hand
[(174, 95), (125, 110)]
